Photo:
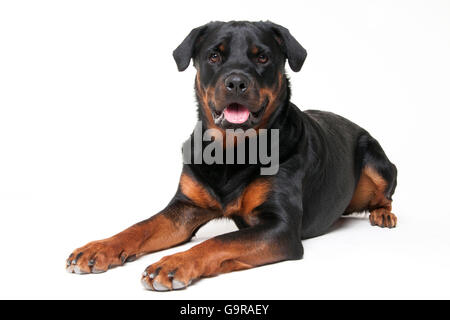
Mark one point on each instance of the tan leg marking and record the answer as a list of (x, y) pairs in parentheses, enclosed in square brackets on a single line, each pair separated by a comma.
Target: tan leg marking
[(369, 195)]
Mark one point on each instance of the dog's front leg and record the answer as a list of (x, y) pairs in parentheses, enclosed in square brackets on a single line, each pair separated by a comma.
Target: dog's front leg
[(174, 225), (269, 242)]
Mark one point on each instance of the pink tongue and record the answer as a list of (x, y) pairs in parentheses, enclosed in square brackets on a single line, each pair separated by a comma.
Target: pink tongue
[(236, 113)]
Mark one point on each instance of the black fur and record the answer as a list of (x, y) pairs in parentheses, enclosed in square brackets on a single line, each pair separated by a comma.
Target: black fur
[(323, 159), (321, 153)]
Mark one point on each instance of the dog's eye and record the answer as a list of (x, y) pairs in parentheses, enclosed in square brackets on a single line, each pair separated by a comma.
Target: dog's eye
[(214, 57), (262, 58)]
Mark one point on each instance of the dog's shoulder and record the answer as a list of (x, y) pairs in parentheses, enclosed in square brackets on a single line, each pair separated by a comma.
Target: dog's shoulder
[(333, 123)]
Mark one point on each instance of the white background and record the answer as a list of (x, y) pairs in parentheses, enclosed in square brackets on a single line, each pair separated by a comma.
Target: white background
[(93, 114)]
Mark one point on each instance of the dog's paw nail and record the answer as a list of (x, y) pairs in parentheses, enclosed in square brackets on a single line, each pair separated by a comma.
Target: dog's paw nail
[(154, 274), (77, 257), (97, 271), (77, 270), (171, 274), (131, 258), (176, 284), (146, 284), (69, 260), (159, 287), (145, 273)]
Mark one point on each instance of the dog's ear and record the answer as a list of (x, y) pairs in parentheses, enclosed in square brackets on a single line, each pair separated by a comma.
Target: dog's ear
[(293, 50), (186, 50)]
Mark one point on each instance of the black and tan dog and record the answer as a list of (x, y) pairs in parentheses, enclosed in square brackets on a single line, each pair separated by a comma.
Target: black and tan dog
[(328, 166)]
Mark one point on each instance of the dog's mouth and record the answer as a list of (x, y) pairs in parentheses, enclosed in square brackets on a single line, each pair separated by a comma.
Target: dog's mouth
[(236, 114)]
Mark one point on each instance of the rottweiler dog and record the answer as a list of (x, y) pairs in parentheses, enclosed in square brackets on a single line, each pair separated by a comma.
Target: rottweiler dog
[(328, 167)]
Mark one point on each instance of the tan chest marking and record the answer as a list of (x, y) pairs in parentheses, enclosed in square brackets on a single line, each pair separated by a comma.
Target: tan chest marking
[(197, 193), (254, 195)]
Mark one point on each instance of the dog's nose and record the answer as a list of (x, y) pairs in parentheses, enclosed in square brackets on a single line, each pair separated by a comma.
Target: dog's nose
[(236, 83)]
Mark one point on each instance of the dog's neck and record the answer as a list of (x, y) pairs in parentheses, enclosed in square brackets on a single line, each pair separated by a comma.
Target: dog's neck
[(284, 118)]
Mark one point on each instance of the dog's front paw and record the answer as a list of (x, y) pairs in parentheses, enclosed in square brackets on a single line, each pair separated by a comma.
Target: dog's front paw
[(97, 257), (171, 273)]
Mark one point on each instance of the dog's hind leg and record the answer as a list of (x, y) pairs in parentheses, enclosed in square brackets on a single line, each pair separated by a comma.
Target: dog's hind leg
[(376, 185)]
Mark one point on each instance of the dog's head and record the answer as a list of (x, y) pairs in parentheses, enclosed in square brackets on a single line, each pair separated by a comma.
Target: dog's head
[(240, 79)]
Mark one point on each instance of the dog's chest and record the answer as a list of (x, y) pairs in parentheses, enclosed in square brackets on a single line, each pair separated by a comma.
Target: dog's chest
[(243, 204)]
